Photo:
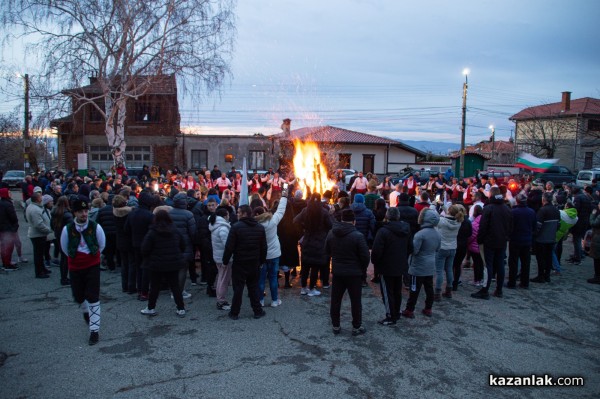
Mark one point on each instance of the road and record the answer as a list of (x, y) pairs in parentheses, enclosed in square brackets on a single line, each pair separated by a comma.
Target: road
[(549, 329)]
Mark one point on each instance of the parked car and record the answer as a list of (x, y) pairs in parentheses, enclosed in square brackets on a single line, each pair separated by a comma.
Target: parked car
[(585, 177), (348, 173), (557, 175), (13, 178)]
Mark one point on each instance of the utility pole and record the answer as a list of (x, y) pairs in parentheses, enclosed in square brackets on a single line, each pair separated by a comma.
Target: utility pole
[(29, 149), (464, 124)]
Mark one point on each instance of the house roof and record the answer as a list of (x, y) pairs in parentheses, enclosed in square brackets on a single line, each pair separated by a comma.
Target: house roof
[(486, 146), (329, 134), (585, 105), (157, 84)]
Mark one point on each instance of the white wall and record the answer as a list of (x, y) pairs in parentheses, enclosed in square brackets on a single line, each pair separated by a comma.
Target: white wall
[(396, 154)]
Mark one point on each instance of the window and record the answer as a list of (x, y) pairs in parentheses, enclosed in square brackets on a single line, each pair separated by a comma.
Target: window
[(135, 157), (257, 160), (146, 111), (588, 161), (199, 159), (95, 114), (344, 161), (594, 124)]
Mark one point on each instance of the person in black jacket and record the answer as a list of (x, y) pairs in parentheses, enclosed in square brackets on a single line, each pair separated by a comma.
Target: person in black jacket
[(548, 220), (247, 243), (495, 229), (316, 223), (583, 204), (392, 245), (9, 225), (106, 219), (349, 253), (202, 240), (121, 212), (408, 213), (162, 250), (137, 225)]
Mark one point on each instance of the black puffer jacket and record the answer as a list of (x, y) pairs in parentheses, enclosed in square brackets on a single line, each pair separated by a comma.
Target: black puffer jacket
[(8, 216), (409, 215), (495, 227), (106, 219), (393, 243), (247, 243), (548, 221), (314, 235), (583, 203), (123, 239), (162, 249), (464, 232), (347, 249), (185, 223), (139, 220)]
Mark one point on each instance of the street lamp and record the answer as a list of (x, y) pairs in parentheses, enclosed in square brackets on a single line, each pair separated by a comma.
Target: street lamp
[(493, 139), (464, 123)]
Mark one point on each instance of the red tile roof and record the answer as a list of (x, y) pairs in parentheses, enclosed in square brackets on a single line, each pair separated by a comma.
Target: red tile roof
[(586, 105), (329, 134)]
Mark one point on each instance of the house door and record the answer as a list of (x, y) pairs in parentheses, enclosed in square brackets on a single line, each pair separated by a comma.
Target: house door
[(368, 163)]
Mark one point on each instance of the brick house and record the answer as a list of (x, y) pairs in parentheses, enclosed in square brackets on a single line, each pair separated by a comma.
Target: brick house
[(152, 127), (568, 130)]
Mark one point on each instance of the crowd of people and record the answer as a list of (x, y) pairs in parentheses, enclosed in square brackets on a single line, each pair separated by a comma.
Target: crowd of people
[(154, 227)]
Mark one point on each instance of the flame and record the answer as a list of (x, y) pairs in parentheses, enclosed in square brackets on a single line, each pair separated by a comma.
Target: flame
[(308, 168)]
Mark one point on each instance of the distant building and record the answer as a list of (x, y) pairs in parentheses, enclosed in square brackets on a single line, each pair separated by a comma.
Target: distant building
[(151, 127), (347, 149), (497, 152), (568, 130)]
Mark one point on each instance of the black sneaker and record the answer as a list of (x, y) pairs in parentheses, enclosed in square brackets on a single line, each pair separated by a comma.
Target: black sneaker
[(387, 322), (538, 279), (233, 316), (358, 331), (336, 330), (259, 315), (11, 268), (94, 338), (42, 276), (481, 294), (498, 294)]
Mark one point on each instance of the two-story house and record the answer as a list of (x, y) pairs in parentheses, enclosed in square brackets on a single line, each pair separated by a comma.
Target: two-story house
[(152, 127), (568, 130)]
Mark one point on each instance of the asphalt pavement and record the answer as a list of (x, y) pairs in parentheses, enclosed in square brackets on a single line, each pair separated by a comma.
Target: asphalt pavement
[(291, 353)]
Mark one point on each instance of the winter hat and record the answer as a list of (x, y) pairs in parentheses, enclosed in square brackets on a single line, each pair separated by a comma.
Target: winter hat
[(403, 198), (4, 193), (298, 194), (80, 204), (180, 200), (348, 215), (47, 199), (359, 198), (522, 199), (37, 189)]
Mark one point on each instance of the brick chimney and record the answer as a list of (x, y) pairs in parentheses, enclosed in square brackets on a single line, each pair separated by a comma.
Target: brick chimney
[(286, 126), (566, 101)]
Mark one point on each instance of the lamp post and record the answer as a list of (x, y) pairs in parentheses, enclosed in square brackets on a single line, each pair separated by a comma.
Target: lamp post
[(464, 123), (493, 139)]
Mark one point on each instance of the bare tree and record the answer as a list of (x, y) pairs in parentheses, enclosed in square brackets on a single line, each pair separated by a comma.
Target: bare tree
[(129, 45), (543, 132)]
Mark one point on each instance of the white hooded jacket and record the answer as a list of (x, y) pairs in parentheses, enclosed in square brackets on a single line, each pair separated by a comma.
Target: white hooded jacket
[(218, 235), (270, 222)]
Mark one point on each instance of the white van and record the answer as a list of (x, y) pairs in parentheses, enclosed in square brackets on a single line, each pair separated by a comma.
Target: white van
[(585, 177)]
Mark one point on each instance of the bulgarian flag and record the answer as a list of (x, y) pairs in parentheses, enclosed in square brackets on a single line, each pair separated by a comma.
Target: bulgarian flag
[(528, 161)]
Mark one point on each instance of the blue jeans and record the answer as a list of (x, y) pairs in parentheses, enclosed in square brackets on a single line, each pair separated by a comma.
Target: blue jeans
[(444, 260), (555, 262), (270, 268)]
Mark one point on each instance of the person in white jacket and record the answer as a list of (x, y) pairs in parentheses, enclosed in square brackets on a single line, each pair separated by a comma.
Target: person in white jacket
[(271, 267), (218, 224)]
